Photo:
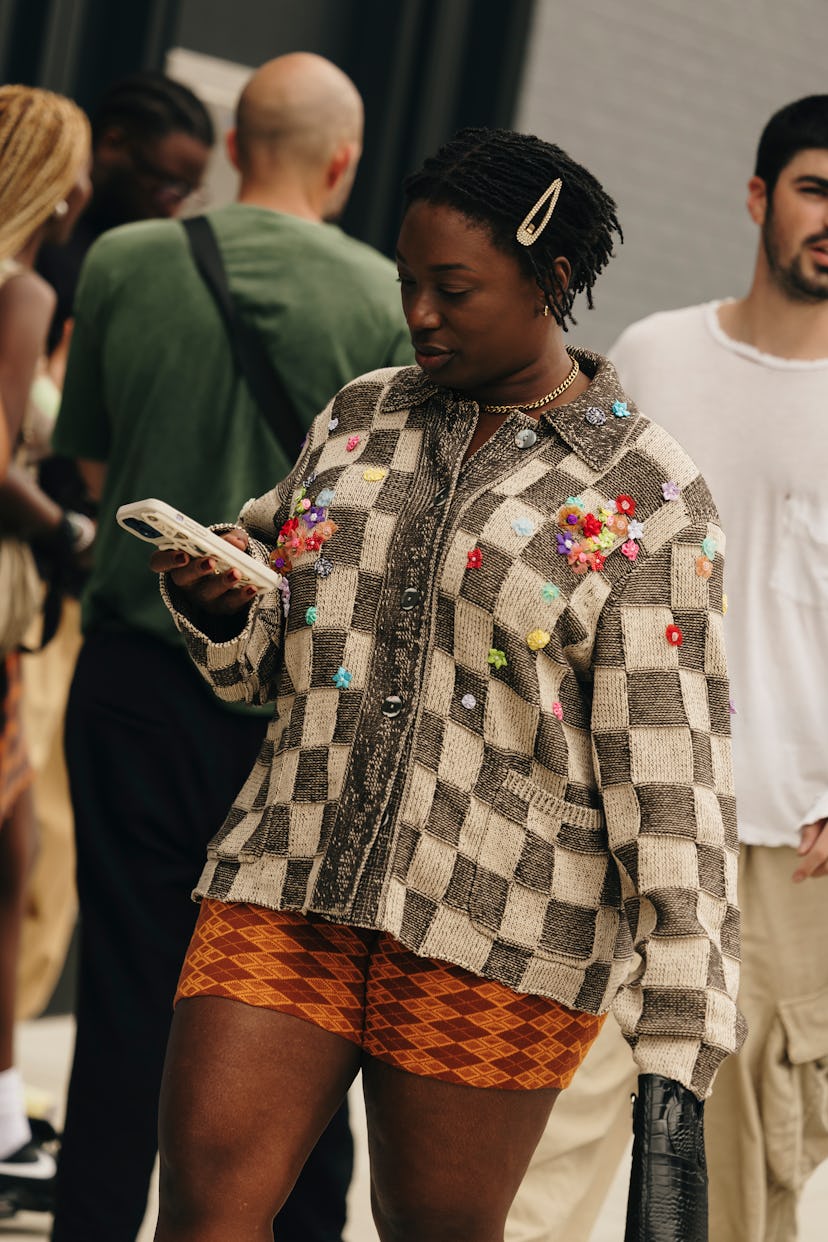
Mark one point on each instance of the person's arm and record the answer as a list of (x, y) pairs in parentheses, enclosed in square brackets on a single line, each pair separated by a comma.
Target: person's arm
[(93, 474), (25, 510), (26, 305), (5, 442), (234, 639), (813, 842), (661, 732)]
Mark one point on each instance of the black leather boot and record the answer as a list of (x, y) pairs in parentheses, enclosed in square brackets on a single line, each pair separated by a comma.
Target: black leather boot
[(668, 1182)]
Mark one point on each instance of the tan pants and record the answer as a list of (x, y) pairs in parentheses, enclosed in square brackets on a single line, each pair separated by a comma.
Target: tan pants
[(767, 1121), (51, 905)]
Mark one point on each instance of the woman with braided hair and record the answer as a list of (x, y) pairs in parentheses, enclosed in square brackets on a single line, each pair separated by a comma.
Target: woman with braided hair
[(44, 185), (495, 799)]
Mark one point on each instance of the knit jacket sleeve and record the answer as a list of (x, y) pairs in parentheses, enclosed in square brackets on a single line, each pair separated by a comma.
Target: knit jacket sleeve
[(661, 739), (244, 668)]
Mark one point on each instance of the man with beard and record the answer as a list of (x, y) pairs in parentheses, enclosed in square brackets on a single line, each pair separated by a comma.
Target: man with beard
[(744, 384)]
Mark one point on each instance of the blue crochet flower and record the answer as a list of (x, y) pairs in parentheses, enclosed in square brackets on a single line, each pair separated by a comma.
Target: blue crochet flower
[(523, 526), (619, 409), (342, 678)]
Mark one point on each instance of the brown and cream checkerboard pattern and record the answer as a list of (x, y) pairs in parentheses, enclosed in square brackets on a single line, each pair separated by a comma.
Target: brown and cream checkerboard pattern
[(562, 856)]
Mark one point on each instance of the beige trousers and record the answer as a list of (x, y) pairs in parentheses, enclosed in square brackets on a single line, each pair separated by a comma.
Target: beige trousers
[(51, 904), (766, 1123)]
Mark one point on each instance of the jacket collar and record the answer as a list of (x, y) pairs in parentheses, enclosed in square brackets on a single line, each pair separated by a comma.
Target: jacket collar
[(598, 443), (408, 387)]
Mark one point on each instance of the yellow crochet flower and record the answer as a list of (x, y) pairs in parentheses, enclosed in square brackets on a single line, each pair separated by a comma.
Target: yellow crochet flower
[(374, 474), (537, 639)]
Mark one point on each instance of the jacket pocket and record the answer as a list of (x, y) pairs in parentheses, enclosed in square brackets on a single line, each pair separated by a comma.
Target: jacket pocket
[(540, 879), (800, 565), (795, 1089)]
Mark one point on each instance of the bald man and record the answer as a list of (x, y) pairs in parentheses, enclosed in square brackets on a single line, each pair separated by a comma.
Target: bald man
[(153, 406)]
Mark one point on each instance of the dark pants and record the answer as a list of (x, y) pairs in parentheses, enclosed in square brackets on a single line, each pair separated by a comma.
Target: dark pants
[(154, 763)]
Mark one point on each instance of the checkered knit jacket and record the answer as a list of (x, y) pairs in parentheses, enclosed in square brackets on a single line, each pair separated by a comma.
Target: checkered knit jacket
[(504, 762)]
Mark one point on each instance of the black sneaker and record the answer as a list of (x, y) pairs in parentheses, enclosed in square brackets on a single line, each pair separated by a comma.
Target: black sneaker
[(27, 1176)]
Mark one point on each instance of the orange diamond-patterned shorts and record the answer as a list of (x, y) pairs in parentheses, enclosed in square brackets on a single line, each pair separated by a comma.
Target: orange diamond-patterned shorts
[(420, 1015)]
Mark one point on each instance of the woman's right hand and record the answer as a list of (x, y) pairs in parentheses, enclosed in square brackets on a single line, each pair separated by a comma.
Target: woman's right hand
[(208, 588)]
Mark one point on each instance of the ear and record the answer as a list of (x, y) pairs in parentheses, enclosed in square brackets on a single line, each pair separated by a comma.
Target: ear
[(757, 200), (231, 142), (563, 270), (341, 162)]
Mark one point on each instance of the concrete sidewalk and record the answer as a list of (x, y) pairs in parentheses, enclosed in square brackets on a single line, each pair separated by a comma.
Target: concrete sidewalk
[(44, 1049)]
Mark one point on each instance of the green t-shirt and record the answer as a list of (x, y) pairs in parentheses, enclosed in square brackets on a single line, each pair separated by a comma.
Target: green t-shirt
[(151, 388)]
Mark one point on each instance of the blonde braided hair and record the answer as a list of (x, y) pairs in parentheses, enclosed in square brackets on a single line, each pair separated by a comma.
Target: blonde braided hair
[(44, 142)]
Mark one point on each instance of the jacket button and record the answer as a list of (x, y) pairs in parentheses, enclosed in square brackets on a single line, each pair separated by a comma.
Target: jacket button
[(410, 599), (392, 705), (526, 437)]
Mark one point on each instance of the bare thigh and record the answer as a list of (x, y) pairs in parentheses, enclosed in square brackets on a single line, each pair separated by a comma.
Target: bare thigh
[(246, 1094), (446, 1160)]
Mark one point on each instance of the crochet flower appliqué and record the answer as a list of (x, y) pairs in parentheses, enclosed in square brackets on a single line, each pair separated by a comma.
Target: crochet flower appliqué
[(306, 531), (674, 635), (704, 563), (585, 539)]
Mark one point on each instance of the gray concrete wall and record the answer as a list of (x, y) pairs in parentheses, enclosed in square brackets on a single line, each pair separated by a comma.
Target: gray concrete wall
[(664, 101)]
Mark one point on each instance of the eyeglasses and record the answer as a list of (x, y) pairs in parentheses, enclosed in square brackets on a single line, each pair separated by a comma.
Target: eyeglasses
[(168, 190)]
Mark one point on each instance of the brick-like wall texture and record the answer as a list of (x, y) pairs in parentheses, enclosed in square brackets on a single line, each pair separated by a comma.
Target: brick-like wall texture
[(664, 101)]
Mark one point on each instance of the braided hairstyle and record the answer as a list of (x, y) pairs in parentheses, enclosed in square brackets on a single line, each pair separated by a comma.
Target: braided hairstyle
[(494, 176), (44, 143), (151, 105)]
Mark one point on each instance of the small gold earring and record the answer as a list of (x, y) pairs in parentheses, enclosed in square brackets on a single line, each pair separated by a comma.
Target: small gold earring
[(545, 311), (61, 208)]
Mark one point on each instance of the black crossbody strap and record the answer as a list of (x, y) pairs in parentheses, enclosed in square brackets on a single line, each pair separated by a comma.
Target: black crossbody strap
[(251, 357)]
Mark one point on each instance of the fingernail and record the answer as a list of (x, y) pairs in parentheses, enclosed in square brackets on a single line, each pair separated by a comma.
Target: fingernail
[(181, 558), (208, 564), (233, 575), (250, 590)]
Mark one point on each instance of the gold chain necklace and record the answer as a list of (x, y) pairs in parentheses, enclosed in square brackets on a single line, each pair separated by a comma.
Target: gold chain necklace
[(541, 401)]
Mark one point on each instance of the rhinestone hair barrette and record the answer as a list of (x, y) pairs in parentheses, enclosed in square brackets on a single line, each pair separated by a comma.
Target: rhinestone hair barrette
[(529, 231)]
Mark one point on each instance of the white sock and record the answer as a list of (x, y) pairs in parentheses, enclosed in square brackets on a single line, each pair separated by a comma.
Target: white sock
[(15, 1131)]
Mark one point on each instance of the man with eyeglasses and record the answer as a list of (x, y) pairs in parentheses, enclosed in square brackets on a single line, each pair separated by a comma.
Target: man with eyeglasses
[(151, 140)]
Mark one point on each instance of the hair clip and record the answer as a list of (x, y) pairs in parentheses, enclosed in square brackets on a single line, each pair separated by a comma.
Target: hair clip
[(528, 232)]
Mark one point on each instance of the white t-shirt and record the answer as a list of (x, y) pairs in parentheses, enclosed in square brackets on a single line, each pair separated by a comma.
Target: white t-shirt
[(757, 427)]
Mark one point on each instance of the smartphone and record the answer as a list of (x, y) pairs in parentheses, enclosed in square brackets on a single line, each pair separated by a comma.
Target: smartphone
[(166, 527)]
